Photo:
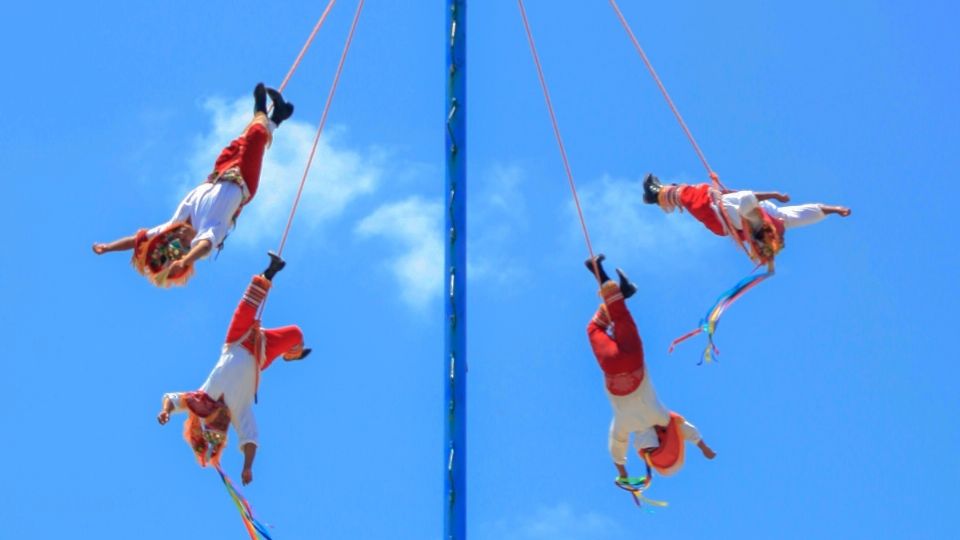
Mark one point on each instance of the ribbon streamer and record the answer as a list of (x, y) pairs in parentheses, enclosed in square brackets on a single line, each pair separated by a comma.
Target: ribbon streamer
[(255, 529), (709, 323)]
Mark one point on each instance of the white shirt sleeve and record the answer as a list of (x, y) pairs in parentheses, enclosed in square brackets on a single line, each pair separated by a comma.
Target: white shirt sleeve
[(798, 215), (740, 205), (618, 444), (690, 432), (214, 233), (245, 424), (743, 201), (175, 398), (181, 214)]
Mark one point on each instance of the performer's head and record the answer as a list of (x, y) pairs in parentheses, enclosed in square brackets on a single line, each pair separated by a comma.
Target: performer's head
[(768, 240), (205, 429), (152, 257)]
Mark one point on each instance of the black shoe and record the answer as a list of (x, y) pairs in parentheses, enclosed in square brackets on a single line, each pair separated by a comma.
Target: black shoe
[(651, 189), (595, 266), (276, 265), (627, 287), (260, 99), (281, 109)]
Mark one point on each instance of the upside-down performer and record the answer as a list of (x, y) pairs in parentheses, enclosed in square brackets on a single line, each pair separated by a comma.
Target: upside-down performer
[(165, 254), (658, 434), (751, 216), (227, 396)]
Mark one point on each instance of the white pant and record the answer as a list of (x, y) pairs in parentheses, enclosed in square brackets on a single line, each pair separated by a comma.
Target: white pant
[(639, 412)]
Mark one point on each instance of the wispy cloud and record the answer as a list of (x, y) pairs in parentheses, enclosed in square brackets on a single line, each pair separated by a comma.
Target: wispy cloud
[(619, 222), (496, 215), (415, 226), (558, 522), (338, 175)]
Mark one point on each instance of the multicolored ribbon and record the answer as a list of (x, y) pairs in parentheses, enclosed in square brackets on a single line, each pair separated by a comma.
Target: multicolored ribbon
[(709, 323), (636, 486), (255, 529)]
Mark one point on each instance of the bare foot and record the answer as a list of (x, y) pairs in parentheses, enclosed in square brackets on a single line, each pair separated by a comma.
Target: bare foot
[(99, 249), (782, 197), (163, 417), (706, 450)]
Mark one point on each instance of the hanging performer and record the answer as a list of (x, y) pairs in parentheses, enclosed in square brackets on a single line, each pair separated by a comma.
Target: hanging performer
[(658, 434), (166, 253), (757, 221), (227, 396)]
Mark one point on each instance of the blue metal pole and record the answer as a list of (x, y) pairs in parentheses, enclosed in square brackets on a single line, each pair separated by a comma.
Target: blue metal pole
[(455, 353)]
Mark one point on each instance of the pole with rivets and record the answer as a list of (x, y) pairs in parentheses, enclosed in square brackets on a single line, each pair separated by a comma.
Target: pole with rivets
[(455, 282)]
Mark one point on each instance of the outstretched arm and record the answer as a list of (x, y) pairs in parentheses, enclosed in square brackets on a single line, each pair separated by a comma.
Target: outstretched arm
[(198, 251), (249, 453), (617, 443), (123, 244), (171, 403), (775, 195)]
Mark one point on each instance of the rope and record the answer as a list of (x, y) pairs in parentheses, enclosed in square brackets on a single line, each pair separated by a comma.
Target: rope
[(323, 121), (306, 45), (663, 89), (556, 132), (316, 140)]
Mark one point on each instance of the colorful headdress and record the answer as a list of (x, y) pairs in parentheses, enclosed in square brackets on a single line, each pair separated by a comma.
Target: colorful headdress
[(767, 240), (205, 429), (152, 257)]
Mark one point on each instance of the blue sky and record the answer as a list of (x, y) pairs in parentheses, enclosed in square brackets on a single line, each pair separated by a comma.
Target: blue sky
[(831, 407)]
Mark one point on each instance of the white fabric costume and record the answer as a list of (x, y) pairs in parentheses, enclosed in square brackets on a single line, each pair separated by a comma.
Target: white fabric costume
[(743, 203), (638, 412), (210, 208), (233, 378)]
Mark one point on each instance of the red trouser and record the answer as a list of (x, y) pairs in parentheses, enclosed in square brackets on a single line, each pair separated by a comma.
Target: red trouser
[(696, 199), (245, 153), (622, 354), (276, 340)]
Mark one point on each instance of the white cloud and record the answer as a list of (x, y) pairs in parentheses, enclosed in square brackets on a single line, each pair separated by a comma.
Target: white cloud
[(338, 176), (559, 522), (619, 222), (416, 225), (496, 215)]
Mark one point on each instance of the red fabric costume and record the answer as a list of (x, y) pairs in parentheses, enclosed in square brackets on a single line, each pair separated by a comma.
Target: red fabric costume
[(697, 200), (245, 156), (264, 344), (621, 356), (668, 457)]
